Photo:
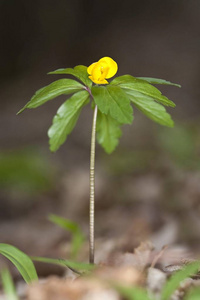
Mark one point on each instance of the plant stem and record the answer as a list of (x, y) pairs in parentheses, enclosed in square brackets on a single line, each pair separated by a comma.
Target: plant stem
[(92, 186)]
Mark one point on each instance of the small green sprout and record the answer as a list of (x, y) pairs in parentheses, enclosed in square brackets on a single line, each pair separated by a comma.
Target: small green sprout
[(8, 285), (112, 104), (21, 261), (78, 237)]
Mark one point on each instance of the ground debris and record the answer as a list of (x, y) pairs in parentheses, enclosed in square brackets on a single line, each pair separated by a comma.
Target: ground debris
[(155, 281), (139, 259), (100, 285), (81, 289)]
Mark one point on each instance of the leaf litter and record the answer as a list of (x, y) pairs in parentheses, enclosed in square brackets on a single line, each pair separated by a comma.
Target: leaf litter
[(119, 258)]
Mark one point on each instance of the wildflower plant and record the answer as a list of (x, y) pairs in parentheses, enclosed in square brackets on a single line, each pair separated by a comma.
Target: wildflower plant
[(112, 105)]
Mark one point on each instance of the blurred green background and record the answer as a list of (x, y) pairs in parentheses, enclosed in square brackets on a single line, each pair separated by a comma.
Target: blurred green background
[(155, 171)]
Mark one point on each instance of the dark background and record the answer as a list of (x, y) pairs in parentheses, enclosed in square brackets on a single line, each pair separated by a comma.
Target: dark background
[(158, 39), (146, 38)]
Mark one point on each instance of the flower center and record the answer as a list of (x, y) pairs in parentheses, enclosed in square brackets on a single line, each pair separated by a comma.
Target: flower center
[(104, 72), (100, 72)]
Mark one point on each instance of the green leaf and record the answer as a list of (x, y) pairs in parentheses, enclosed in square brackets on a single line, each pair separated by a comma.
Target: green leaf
[(132, 293), (78, 237), (55, 89), (194, 294), (108, 132), (128, 82), (74, 266), (8, 285), (158, 81), (174, 282), (21, 261), (150, 108), (114, 101), (66, 118), (79, 72), (64, 223)]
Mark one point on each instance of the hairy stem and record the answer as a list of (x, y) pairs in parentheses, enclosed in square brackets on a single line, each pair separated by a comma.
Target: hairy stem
[(92, 185)]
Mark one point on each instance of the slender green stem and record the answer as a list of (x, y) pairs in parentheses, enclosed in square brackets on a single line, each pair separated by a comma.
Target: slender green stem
[(92, 185)]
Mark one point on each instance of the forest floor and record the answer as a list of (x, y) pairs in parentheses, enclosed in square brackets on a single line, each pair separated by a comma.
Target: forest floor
[(147, 227)]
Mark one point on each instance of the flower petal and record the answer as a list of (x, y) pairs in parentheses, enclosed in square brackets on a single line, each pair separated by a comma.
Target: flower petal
[(97, 81), (91, 67), (111, 64)]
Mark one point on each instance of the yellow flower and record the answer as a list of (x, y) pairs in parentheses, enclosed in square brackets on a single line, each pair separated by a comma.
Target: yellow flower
[(99, 71)]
